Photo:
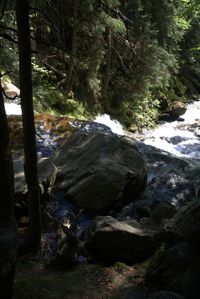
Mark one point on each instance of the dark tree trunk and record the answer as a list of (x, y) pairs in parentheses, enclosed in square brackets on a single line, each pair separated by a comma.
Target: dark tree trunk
[(108, 63), (30, 151), (73, 48), (8, 227)]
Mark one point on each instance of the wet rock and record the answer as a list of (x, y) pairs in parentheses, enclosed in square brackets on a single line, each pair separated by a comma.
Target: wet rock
[(91, 127), (51, 131), (97, 170), (172, 183), (46, 176), (176, 109), (46, 173), (173, 111), (163, 210), (160, 162), (10, 89), (110, 240), (176, 269), (162, 197), (185, 224)]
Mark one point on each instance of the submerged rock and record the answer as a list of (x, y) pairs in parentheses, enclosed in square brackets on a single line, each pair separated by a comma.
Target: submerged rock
[(172, 183), (163, 196), (97, 171)]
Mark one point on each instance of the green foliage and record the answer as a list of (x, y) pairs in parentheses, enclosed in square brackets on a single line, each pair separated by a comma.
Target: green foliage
[(116, 25), (120, 57), (76, 109), (142, 113), (9, 55)]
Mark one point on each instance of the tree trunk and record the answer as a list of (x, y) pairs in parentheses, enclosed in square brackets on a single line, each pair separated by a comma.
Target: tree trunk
[(8, 227), (73, 49), (30, 151), (108, 63)]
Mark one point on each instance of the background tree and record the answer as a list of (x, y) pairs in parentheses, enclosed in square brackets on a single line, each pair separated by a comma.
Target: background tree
[(190, 47), (125, 58), (30, 151)]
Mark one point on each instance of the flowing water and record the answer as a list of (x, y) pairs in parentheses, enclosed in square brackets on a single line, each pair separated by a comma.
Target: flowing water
[(179, 138), (12, 108), (113, 124)]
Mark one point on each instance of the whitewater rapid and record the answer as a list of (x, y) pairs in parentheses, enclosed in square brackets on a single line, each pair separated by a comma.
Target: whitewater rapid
[(12, 108), (180, 138)]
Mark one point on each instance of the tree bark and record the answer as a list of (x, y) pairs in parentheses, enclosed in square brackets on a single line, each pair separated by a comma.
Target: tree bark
[(30, 151), (73, 49), (108, 63), (8, 227)]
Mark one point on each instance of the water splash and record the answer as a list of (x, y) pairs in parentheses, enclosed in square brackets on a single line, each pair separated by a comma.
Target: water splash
[(180, 138), (13, 108), (113, 124)]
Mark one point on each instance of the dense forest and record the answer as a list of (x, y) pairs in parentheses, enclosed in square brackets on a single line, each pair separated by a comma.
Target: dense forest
[(133, 228), (129, 59)]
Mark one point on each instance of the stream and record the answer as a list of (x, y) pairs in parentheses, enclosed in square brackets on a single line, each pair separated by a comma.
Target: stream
[(180, 138), (167, 149)]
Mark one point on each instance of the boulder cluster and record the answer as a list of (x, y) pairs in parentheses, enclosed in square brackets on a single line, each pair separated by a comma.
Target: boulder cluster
[(144, 205)]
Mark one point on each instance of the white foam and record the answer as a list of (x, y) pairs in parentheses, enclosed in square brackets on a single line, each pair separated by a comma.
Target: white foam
[(13, 109), (113, 124), (178, 138)]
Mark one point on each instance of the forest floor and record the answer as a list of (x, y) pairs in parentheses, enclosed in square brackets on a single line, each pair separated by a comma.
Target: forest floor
[(83, 281)]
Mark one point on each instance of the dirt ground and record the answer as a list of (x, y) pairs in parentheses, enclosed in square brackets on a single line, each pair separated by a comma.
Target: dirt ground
[(83, 281)]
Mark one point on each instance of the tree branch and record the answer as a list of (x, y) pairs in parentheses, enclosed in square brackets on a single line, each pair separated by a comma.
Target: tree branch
[(117, 12), (124, 66), (9, 38), (8, 28), (45, 15)]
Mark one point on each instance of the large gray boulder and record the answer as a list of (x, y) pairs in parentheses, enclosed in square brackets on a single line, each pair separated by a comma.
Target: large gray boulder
[(110, 240), (97, 170)]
